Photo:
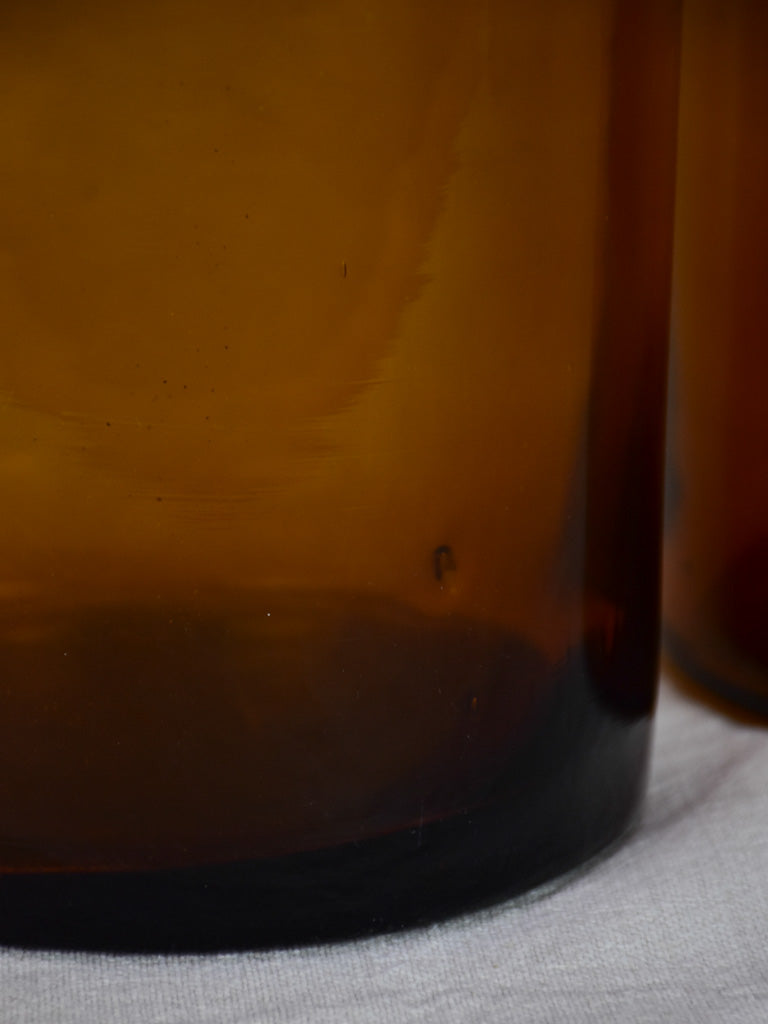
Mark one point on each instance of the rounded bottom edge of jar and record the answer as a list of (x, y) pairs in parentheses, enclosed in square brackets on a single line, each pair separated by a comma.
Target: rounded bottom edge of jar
[(695, 676), (410, 879)]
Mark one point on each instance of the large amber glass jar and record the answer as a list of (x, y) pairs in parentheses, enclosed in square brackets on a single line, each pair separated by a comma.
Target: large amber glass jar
[(332, 377), (716, 571)]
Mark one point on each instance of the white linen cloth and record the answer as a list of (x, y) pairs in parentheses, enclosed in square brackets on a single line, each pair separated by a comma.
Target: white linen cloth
[(671, 927)]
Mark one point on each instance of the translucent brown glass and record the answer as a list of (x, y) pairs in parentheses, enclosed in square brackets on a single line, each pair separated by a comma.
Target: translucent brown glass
[(332, 385), (716, 573)]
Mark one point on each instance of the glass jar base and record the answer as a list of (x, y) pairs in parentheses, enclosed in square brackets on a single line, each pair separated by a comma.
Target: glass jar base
[(404, 879), (743, 692)]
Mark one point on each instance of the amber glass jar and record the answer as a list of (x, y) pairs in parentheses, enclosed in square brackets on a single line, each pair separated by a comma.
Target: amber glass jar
[(716, 572), (332, 385)]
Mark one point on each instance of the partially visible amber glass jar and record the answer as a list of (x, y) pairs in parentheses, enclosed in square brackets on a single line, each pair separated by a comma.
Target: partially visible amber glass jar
[(332, 380), (716, 572)]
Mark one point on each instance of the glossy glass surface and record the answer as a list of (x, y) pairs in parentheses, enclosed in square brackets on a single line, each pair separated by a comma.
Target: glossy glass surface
[(332, 391), (716, 587)]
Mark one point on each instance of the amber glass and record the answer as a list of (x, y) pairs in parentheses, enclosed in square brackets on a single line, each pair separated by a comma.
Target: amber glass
[(716, 573), (332, 385)]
